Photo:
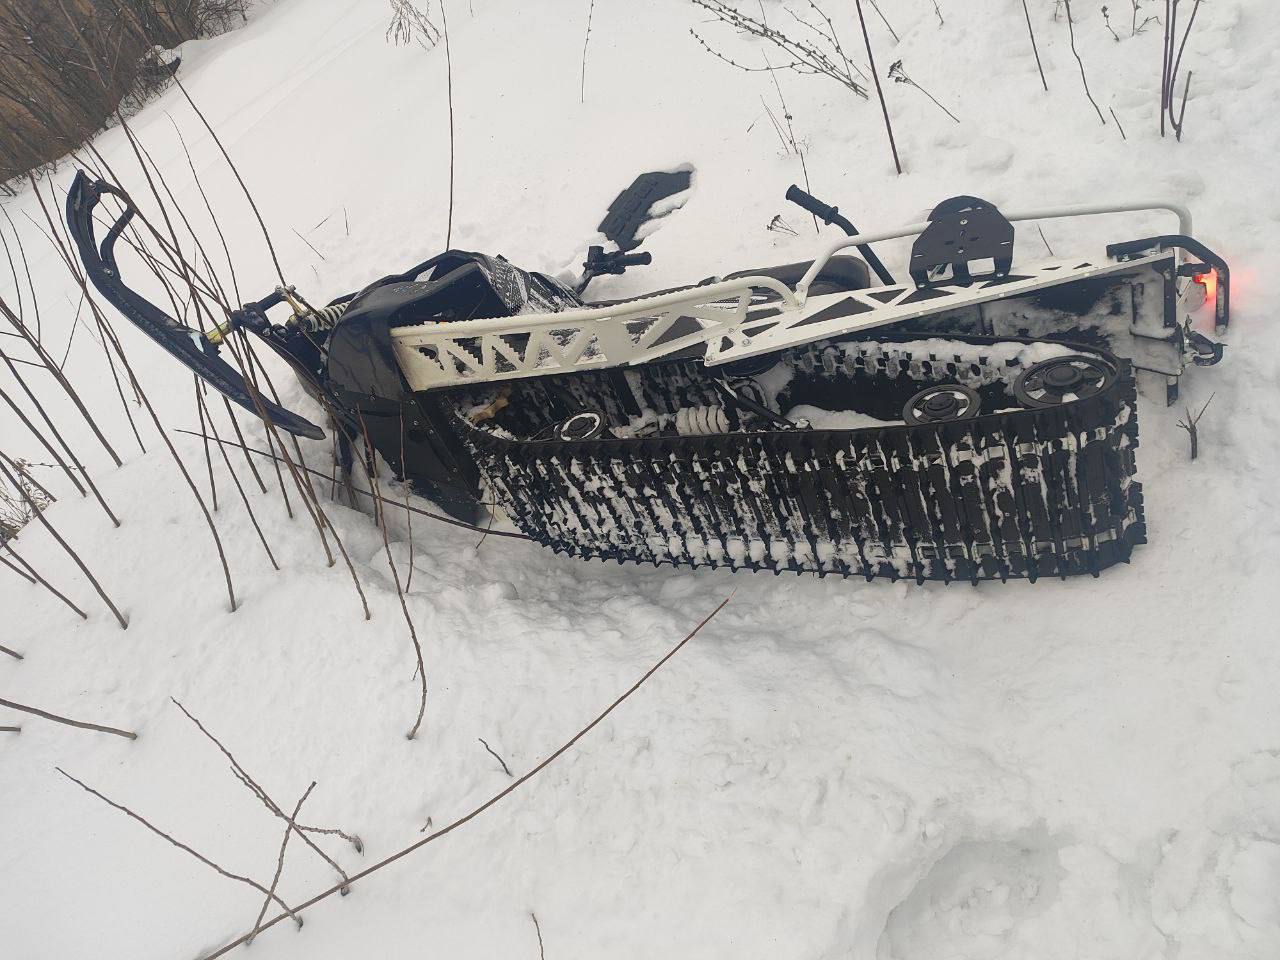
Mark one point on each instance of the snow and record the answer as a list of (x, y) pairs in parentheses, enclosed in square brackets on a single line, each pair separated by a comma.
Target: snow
[(830, 769)]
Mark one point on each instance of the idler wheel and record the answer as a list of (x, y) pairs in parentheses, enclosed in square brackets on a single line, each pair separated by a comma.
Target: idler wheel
[(586, 425), (1062, 379), (942, 402)]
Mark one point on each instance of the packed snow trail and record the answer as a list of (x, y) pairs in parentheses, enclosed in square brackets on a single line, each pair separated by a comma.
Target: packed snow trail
[(831, 769)]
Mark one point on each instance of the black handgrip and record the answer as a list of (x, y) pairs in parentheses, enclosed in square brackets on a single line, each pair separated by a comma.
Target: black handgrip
[(830, 215), (635, 260), (811, 203)]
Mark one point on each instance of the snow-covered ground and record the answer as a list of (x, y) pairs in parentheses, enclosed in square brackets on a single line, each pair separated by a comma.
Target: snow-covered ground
[(1088, 769)]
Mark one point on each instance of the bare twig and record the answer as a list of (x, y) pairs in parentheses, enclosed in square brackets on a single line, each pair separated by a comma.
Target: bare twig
[(899, 75), (288, 831), (496, 798), (309, 244), (1046, 242), (34, 577), (1106, 19), (6, 650), (69, 722), (289, 912), (493, 753), (1034, 49), (253, 787), (368, 493), (1192, 425), (879, 90), (1083, 79), (1117, 120), (537, 927), (448, 64), (371, 463), (876, 6), (582, 90), (39, 516), (802, 56)]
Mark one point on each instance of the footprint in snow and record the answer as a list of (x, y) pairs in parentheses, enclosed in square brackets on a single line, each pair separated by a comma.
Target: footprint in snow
[(1216, 888), (974, 900)]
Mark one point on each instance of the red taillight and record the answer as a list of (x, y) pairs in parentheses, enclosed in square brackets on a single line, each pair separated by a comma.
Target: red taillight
[(1209, 281)]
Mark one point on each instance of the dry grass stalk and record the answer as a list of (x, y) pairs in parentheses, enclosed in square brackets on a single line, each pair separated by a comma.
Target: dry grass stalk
[(32, 575), (1192, 425), (822, 57), (420, 673), (44, 522), (84, 725), (406, 506), (289, 912), (884, 109), (412, 25), (1034, 49), (264, 798), (33, 340), (493, 753), (1071, 30), (496, 798), (284, 843), (537, 928)]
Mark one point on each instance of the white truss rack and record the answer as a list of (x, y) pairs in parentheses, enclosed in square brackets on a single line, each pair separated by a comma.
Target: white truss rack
[(721, 322)]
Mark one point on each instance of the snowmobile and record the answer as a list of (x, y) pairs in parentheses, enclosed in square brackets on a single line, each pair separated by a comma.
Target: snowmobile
[(977, 422)]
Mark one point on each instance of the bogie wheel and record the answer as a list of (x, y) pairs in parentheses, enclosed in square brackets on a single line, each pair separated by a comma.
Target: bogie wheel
[(1062, 379), (940, 403), (586, 425)]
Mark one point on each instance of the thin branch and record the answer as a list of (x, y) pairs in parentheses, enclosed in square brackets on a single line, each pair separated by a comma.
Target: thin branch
[(876, 6), (879, 90), (7, 650), (182, 846), (35, 577), (448, 61), (496, 798), (371, 463), (537, 927), (1117, 120), (493, 753), (582, 91), (68, 721), (288, 831), (1083, 79), (40, 517), (265, 799), (1034, 49), (367, 493)]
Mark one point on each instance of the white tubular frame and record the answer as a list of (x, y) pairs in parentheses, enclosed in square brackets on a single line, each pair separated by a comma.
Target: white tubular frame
[(443, 354), (1048, 213)]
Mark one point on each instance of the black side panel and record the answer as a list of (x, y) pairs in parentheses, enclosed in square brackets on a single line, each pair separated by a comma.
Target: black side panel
[(366, 379)]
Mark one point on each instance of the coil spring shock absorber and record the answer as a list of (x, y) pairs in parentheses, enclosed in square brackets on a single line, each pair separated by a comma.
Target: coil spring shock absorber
[(314, 321), (698, 420)]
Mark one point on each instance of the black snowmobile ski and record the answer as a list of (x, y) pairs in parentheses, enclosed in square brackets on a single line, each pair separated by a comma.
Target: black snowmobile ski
[(978, 422), (192, 348)]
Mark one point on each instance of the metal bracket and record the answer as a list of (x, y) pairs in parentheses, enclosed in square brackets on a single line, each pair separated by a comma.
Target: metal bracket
[(960, 231)]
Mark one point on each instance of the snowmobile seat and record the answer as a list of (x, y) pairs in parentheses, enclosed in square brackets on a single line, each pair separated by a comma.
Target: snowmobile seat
[(839, 274)]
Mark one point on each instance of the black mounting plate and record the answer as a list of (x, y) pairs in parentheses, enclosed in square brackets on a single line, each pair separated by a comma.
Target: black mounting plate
[(962, 230)]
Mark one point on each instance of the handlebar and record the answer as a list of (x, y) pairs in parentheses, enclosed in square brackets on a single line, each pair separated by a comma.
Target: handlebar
[(831, 215)]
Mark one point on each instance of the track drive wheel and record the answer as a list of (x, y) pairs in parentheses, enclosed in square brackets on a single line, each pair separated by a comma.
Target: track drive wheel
[(1062, 379)]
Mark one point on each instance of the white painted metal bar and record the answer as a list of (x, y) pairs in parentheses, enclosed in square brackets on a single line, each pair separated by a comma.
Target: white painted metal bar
[(1048, 213)]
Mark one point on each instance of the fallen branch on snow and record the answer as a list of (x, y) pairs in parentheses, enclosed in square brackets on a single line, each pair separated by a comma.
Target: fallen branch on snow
[(507, 791)]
